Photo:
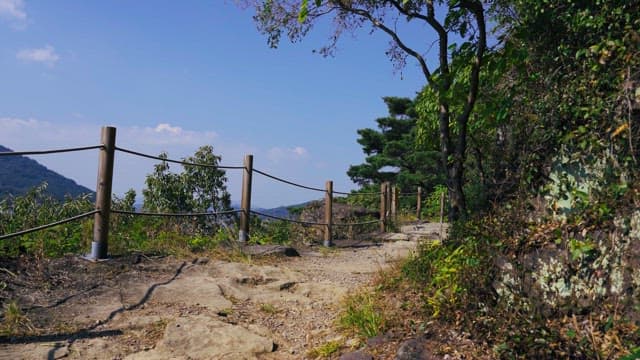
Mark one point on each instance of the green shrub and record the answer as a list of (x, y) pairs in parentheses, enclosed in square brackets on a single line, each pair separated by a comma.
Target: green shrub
[(271, 232), (37, 208), (431, 208), (447, 273)]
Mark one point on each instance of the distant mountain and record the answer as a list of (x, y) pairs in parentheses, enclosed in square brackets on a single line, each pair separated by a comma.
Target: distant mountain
[(280, 211), (19, 174)]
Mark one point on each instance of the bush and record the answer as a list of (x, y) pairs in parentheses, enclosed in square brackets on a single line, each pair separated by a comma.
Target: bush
[(37, 208)]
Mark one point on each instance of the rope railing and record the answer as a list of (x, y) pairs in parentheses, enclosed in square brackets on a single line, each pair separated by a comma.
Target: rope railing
[(289, 220), (408, 194), (50, 225), (132, 152), (377, 193), (52, 151), (357, 223), (388, 196), (313, 223), (218, 213), (287, 181)]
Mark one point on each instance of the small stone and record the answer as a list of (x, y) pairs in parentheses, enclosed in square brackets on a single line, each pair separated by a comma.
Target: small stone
[(352, 343), (377, 340), (414, 349)]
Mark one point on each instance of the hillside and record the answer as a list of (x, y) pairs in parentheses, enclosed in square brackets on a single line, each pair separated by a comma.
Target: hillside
[(18, 174)]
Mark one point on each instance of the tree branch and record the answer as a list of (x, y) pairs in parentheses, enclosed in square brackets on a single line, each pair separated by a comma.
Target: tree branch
[(380, 25), (478, 12)]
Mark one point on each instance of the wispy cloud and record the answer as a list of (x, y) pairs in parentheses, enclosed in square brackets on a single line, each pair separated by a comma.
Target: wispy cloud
[(167, 134), (46, 55), (13, 12), (277, 154)]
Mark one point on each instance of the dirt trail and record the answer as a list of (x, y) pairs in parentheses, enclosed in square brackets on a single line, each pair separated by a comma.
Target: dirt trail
[(200, 309)]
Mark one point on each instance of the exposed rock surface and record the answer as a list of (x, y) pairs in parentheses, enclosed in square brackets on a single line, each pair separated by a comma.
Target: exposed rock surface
[(201, 309)]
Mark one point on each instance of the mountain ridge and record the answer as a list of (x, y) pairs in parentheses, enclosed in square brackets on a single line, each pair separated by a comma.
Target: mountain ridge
[(19, 174)]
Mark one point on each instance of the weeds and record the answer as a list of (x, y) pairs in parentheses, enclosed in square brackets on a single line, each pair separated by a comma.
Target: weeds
[(363, 315), (444, 272), (14, 321), (269, 309), (325, 350)]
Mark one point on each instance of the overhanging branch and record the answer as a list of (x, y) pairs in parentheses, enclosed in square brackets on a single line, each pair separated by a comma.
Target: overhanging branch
[(380, 25)]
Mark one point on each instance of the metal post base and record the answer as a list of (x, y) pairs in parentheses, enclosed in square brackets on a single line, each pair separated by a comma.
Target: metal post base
[(98, 252)]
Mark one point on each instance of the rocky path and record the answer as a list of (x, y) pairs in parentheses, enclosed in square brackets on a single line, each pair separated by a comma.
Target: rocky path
[(206, 309)]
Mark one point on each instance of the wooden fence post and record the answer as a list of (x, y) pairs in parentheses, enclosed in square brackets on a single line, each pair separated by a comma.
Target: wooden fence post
[(387, 199), (441, 214), (394, 203), (383, 206), (99, 246), (245, 203), (328, 213), (419, 203)]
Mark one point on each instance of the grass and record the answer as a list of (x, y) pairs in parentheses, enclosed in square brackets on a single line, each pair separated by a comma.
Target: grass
[(325, 350), (269, 309), (363, 315), (155, 331), (15, 322)]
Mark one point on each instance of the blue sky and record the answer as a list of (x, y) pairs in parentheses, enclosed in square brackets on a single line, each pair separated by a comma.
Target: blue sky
[(175, 75)]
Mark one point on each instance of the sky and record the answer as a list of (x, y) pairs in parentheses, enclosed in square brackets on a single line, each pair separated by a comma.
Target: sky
[(176, 75)]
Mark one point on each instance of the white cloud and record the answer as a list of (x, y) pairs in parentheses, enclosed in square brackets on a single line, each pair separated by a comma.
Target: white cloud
[(176, 130), (13, 11), (46, 55), (300, 151), (167, 134), (277, 154)]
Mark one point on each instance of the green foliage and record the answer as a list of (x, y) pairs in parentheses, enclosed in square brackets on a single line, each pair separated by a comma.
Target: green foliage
[(196, 189), (394, 145), (270, 232), (325, 350), (37, 207), (362, 315), (445, 271), (368, 196), (208, 185), (14, 321), (431, 207), (635, 354)]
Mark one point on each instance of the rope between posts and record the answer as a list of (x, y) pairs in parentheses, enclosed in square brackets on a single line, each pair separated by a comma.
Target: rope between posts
[(313, 223), (290, 220), (42, 227), (355, 194), (52, 151), (177, 161), (124, 212), (288, 182), (357, 224)]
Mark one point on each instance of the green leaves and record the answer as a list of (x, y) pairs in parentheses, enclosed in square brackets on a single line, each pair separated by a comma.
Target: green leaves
[(304, 11), (393, 143)]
